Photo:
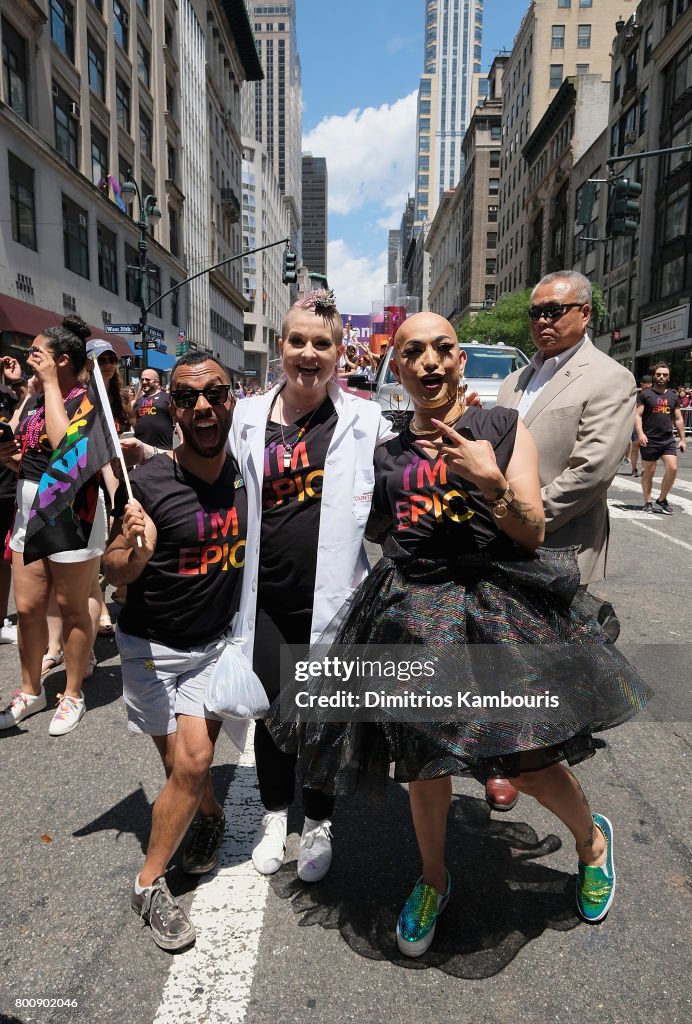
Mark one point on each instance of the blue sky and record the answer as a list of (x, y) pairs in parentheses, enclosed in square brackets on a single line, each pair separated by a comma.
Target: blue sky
[(361, 62)]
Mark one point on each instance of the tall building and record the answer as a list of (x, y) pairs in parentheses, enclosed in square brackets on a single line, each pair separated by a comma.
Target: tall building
[(453, 40), (278, 101), (557, 39), (393, 243), (315, 213), (85, 100)]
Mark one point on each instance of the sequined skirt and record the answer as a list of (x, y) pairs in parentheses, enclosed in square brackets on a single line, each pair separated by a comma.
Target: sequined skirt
[(511, 618)]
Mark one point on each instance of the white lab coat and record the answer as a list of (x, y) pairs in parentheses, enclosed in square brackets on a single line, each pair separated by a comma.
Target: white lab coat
[(345, 504)]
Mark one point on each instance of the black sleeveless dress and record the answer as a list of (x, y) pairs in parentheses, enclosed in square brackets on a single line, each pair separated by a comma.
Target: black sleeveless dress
[(511, 672)]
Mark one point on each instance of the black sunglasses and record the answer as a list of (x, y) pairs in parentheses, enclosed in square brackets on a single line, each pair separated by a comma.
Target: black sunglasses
[(553, 310), (215, 394)]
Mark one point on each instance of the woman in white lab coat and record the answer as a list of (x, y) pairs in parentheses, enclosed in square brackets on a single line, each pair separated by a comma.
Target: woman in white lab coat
[(306, 454)]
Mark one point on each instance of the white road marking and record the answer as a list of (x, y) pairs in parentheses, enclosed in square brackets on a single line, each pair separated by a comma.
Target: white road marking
[(679, 503), (212, 981), (664, 536)]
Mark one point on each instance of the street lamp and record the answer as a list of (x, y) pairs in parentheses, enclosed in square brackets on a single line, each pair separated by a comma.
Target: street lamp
[(149, 213)]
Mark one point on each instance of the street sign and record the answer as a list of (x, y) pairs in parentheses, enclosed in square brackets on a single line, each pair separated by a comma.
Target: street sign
[(154, 332), (140, 344), (122, 329)]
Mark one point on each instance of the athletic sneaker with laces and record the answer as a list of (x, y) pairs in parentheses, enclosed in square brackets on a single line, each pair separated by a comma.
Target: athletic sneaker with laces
[(269, 844), (202, 851), (596, 885), (21, 706), (663, 506), (315, 852), (70, 712), (648, 507), (171, 928), (8, 633), (415, 928)]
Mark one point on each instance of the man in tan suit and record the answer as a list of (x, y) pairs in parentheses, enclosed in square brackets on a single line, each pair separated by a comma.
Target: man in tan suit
[(579, 406)]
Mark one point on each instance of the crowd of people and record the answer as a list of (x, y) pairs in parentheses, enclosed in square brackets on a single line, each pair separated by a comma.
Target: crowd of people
[(247, 519)]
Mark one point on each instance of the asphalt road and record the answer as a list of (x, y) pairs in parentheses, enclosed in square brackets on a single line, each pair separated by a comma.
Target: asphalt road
[(75, 819)]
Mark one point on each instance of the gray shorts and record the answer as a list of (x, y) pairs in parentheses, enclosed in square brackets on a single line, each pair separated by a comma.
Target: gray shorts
[(162, 682)]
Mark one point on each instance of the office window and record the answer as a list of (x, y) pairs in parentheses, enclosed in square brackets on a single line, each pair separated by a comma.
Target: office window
[(648, 44), (154, 287), (494, 157), (99, 156), (495, 132), (492, 214), (558, 37), (75, 233), (174, 231), (121, 24), (65, 126), (583, 37), (617, 84), (491, 240), (145, 134), (143, 64), (586, 3), (122, 103), (491, 266), (493, 186), (14, 70), (643, 111), (108, 258), (556, 72), (22, 202), (144, 7), (564, 3), (97, 74), (62, 26), (582, 69)]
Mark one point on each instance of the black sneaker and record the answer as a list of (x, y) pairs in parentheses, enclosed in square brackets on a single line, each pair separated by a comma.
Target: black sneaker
[(648, 507), (663, 506), (202, 851), (170, 926)]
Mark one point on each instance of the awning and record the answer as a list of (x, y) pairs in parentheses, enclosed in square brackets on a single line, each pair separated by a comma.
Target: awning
[(24, 318), (156, 360)]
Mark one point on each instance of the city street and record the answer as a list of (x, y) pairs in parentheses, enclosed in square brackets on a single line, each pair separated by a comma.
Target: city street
[(76, 815)]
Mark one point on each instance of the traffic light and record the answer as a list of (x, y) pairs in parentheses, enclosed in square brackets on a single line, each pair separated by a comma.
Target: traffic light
[(586, 201), (290, 268), (624, 207)]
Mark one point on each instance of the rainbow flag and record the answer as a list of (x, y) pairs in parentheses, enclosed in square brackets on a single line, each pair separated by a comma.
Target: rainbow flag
[(63, 511)]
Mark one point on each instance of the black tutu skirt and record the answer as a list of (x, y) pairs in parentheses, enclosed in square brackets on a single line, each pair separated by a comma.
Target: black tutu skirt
[(497, 621)]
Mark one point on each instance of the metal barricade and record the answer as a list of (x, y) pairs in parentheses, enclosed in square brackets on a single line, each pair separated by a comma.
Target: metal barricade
[(687, 419)]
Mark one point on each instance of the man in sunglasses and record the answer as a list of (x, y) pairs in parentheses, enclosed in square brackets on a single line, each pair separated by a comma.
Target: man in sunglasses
[(153, 421), (658, 412), (180, 548), (579, 405)]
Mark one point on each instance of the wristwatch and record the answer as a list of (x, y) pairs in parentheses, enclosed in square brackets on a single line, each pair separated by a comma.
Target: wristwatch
[(500, 507)]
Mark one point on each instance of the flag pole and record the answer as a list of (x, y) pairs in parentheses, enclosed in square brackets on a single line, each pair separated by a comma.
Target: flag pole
[(108, 416)]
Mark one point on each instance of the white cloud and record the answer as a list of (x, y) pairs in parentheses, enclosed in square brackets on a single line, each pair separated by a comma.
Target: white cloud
[(370, 156), (358, 281)]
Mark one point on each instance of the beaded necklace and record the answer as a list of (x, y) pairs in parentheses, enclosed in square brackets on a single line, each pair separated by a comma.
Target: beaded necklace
[(37, 422)]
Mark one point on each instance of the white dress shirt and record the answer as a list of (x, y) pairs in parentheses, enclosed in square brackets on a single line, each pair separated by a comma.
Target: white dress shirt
[(545, 371)]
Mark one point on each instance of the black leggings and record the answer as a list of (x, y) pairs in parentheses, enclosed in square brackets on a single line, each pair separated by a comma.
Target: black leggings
[(276, 771)]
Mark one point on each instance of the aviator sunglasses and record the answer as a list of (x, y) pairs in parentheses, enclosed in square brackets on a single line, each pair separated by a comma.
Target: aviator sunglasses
[(215, 394), (553, 311)]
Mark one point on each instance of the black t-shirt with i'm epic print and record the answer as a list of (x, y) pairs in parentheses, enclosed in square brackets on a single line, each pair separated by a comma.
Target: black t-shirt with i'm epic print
[(291, 502), (190, 589), (658, 417), (153, 421), (436, 513)]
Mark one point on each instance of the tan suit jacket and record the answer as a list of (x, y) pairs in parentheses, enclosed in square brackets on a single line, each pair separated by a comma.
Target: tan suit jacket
[(581, 422)]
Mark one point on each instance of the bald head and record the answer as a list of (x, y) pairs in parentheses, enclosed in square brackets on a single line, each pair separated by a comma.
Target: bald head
[(422, 325)]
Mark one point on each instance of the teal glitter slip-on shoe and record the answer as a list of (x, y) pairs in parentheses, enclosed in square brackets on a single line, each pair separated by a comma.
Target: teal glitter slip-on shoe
[(415, 928), (596, 885)]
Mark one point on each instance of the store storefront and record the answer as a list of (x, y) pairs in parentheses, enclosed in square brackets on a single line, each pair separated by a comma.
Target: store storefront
[(665, 337)]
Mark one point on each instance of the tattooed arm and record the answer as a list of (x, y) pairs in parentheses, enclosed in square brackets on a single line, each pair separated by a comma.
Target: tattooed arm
[(524, 522)]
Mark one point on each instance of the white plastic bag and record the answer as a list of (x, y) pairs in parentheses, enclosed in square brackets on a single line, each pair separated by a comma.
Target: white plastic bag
[(233, 690)]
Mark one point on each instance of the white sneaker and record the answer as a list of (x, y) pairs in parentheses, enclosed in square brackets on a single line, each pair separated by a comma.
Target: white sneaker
[(70, 712), (270, 842), (315, 852), (8, 633), (21, 706)]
